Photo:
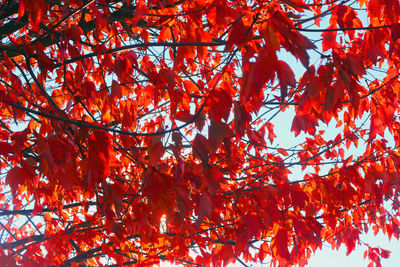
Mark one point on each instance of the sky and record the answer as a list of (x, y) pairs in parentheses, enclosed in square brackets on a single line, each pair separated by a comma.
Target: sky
[(330, 258)]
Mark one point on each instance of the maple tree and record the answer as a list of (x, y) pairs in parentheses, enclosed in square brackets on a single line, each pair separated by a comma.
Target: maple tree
[(134, 132)]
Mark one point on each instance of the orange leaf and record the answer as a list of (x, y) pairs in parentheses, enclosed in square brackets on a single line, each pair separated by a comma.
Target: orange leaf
[(190, 87)]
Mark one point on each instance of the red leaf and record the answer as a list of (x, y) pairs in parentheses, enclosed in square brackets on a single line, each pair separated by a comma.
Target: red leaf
[(183, 115), (36, 9), (212, 179), (297, 4), (131, 56), (385, 253), (377, 127), (241, 243), (215, 80), (156, 150), (286, 78), (116, 90), (395, 33), (140, 10), (333, 95), (74, 33), (18, 176), (271, 133), (219, 104), (201, 147), (5, 148), (257, 137), (205, 208), (45, 62), (239, 34), (263, 70), (350, 245), (253, 223), (14, 178), (304, 123), (355, 63), (329, 39), (7, 260), (279, 245), (218, 131), (291, 39), (88, 89), (242, 118), (100, 152), (200, 121)]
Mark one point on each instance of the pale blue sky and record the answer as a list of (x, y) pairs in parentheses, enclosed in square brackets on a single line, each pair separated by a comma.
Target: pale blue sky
[(330, 258)]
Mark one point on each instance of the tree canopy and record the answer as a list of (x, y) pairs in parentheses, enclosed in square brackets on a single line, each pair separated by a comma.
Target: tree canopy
[(134, 132)]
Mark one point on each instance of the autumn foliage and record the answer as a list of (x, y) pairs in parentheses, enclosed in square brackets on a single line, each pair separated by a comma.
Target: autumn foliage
[(135, 132)]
